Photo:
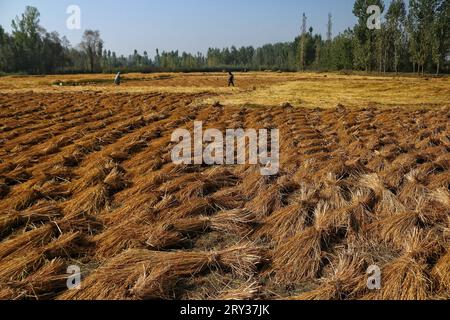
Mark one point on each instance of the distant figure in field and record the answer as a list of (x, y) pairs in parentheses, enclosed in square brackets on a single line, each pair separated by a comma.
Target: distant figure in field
[(117, 79), (230, 79)]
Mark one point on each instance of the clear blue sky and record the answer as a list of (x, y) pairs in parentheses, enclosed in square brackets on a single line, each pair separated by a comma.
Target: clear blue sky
[(187, 25)]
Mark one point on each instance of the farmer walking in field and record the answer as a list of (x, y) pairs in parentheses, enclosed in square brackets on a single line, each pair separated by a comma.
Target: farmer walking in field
[(230, 79), (117, 79)]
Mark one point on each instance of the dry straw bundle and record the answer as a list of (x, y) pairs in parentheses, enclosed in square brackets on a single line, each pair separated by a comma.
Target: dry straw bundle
[(168, 234), (345, 281), (143, 274), (407, 277), (300, 257)]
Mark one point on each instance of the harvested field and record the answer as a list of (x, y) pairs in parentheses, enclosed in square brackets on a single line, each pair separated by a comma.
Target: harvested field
[(86, 179)]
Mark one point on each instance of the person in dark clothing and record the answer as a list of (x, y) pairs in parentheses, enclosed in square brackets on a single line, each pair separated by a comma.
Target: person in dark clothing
[(117, 79), (230, 79)]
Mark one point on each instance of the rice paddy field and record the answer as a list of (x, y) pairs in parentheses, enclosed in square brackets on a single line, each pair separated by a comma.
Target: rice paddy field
[(86, 179)]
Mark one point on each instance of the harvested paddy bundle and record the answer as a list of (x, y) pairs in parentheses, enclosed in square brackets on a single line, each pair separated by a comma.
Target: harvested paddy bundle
[(412, 189), (442, 196), (387, 202), (46, 281), (150, 182), (357, 214), (431, 141), (346, 279), (407, 278), (266, 201), (303, 172), (426, 214), (441, 180), (342, 168), (27, 241), (389, 152), (252, 183), (221, 177), (393, 228), (423, 244), (124, 235), (22, 255), (238, 221), (164, 235), (68, 245), (306, 194), (300, 257), (165, 203), (443, 160), (246, 291), (189, 181), (54, 190), (54, 146), (194, 207), (194, 189), (272, 197), (284, 223), (158, 163), (143, 274), (24, 198), (17, 266), (333, 191), (90, 201), (135, 146), (118, 156), (15, 175), (54, 171), (441, 273), (115, 180), (394, 175), (149, 204), (170, 234), (227, 199), (73, 159), (41, 212), (241, 259), (107, 137), (8, 166), (8, 292), (92, 175)]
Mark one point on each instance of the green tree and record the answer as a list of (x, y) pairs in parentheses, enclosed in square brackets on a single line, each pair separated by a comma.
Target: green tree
[(381, 48), (92, 45), (52, 53), (341, 51), (6, 53), (365, 38), (420, 22), (303, 39), (440, 32), (396, 19), (27, 42)]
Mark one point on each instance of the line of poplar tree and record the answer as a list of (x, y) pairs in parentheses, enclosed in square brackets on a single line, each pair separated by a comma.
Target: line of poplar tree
[(413, 37)]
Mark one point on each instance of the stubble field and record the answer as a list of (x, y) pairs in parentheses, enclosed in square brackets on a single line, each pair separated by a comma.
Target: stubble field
[(87, 180)]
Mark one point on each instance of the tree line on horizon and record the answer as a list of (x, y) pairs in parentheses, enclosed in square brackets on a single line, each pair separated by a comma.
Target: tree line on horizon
[(411, 38)]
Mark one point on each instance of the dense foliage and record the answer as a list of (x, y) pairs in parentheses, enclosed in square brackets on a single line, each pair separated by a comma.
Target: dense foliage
[(413, 38)]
